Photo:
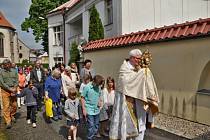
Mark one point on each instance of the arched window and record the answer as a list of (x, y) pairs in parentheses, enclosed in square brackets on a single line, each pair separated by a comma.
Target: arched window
[(204, 82), (1, 45)]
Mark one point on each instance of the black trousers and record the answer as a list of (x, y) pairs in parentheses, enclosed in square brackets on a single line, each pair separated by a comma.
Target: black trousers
[(31, 113), (40, 88)]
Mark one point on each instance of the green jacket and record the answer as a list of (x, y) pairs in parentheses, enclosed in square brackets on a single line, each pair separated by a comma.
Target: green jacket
[(8, 79)]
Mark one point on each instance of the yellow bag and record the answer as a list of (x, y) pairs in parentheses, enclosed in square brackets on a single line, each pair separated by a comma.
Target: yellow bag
[(48, 107)]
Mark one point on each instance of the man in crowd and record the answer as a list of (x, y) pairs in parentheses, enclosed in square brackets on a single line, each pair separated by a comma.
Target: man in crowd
[(9, 84), (38, 77), (136, 94)]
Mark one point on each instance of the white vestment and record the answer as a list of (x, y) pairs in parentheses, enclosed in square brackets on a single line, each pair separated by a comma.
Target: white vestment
[(141, 87)]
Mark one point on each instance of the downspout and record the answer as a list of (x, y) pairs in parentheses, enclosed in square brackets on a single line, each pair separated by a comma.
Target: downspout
[(64, 36)]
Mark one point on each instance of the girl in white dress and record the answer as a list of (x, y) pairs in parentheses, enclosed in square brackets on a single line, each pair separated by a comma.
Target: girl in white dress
[(108, 102)]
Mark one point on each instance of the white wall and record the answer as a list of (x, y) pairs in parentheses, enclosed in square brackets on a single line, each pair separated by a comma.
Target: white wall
[(138, 15), (7, 44), (15, 46), (53, 21)]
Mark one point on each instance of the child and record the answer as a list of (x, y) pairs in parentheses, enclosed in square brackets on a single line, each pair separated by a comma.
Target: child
[(71, 109), (86, 80), (91, 105), (108, 102), (31, 93)]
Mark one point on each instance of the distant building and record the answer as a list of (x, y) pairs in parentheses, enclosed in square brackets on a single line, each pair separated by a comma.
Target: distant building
[(8, 40), (33, 56), (44, 58), (10, 46), (23, 51)]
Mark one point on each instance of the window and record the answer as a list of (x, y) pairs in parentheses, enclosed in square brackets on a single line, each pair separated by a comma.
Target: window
[(1, 45), (58, 60), (20, 47), (20, 55), (109, 12), (58, 35)]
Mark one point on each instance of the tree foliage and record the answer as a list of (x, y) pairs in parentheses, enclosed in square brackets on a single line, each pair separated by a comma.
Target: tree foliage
[(74, 53), (37, 21), (96, 30)]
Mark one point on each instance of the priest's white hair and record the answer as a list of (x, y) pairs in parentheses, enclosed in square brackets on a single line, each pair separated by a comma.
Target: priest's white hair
[(135, 52)]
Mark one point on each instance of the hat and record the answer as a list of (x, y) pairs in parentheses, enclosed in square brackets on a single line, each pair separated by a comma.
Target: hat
[(135, 52), (6, 61), (68, 68)]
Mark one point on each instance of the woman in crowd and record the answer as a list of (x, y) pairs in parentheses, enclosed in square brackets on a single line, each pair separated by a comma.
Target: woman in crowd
[(75, 75), (67, 81), (87, 69), (61, 68), (28, 73), (53, 91), (21, 85)]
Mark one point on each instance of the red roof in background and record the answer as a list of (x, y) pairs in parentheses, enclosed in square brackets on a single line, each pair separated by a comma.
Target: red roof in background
[(177, 31), (4, 22), (68, 5)]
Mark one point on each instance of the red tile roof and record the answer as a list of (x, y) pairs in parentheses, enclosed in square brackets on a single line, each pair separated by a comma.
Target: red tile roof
[(67, 5), (199, 27), (4, 22)]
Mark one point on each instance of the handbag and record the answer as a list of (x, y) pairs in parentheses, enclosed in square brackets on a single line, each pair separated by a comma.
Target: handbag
[(48, 107)]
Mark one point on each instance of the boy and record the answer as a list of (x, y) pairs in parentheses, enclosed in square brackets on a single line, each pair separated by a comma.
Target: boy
[(91, 104), (31, 93)]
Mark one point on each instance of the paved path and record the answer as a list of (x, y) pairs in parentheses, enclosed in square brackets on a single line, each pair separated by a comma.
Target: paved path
[(58, 131)]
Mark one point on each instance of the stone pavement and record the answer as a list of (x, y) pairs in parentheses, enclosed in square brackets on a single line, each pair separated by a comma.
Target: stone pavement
[(58, 131)]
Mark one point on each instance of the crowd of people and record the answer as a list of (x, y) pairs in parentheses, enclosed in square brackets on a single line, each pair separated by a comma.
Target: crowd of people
[(119, 111)]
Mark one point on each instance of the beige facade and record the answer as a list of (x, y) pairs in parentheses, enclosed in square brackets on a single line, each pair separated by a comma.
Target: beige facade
[(23, 50), (9, 44), (180, 68)]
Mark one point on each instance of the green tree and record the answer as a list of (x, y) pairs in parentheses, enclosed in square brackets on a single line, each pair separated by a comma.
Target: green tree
[(25, 62), (37, 21), (74, 53), (96, 29)]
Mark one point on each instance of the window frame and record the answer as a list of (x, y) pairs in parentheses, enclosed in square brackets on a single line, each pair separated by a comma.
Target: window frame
[(58, 60), (58, 35), (2, 45), (109, 11)]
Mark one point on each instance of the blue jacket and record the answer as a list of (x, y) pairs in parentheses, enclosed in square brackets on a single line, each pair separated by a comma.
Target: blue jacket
[(53, 86), (30, 94)]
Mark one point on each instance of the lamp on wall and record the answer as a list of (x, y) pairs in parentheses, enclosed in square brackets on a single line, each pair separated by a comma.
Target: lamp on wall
[(41, 18)]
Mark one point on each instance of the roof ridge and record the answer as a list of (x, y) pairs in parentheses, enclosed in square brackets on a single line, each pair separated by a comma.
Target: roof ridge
[(4, 22), (69, 4), (174, 31)]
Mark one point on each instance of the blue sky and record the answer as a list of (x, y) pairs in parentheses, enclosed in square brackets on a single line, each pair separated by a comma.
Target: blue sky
[(15, 12)]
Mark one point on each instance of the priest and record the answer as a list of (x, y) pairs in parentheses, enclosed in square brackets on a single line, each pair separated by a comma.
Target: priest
[(136, 95)]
